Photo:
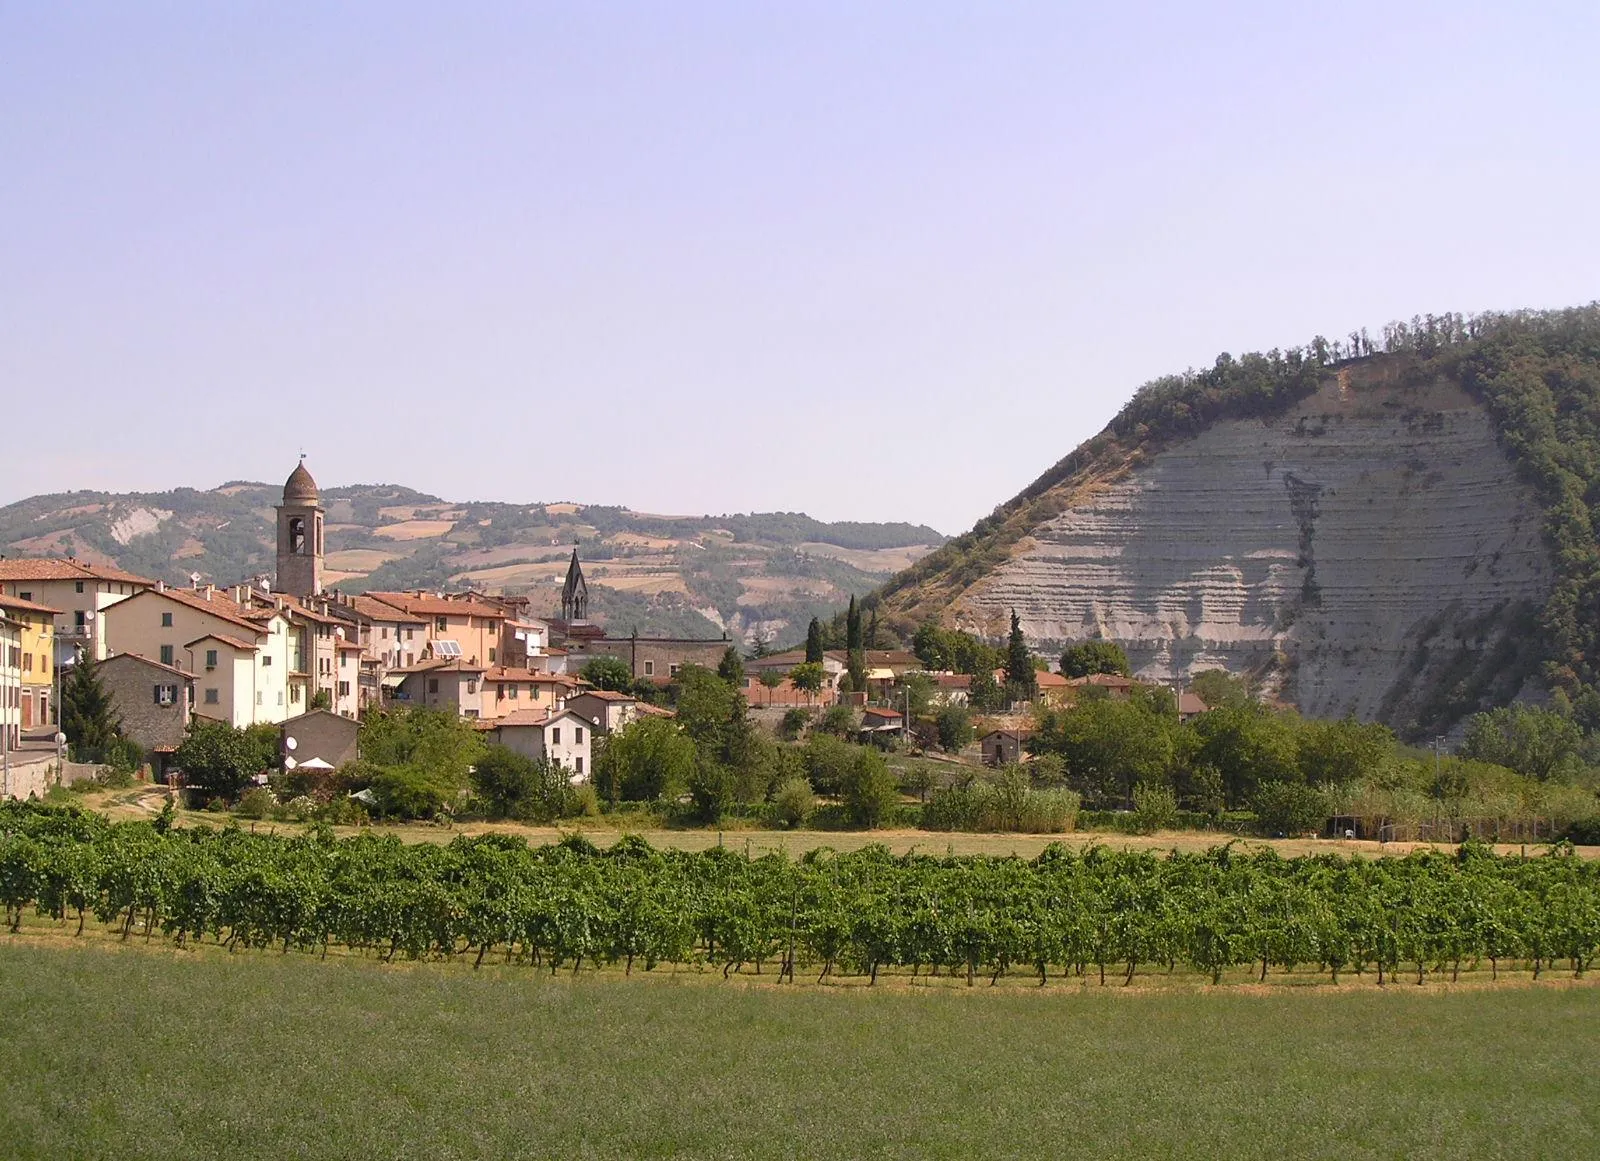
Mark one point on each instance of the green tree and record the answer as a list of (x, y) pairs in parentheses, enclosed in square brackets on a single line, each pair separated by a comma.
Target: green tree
[(955, 727), (984, 695), (516, 786), (88, 718), (1019, 662), (442, 746), (870, 792), (770, 679), (1249, 746), (808, 678), (838, 720), (1537, 742), (1218, 687), (609, 673), (814, 642), (321, 700), (1110, 746), (932, 647), (646, 760), (218, 759), (793, 801), (731, 668), (1098, 656), (852, 629), (1340, 753)]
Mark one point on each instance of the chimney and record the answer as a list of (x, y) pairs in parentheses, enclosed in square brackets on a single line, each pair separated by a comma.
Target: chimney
[(209, 590), (161, 586)]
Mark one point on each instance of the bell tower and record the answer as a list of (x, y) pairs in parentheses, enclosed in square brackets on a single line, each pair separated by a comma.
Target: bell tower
[(300, 536)]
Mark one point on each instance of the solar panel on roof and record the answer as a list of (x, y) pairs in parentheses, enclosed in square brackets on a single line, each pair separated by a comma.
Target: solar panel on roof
[(446, 649)]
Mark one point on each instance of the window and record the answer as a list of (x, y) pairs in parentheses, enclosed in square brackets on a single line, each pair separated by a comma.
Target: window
[(166, 620), (78, 619), (649, 668), (411, 634), (577, 735), (297, 534), (344, 689), (78, 587), (491, 655), (472, 685), (258, 697), (433, 685), (577, 767), (166, 655), (266, 659), (26, 596), (500, 691), (410, 658), (211, 658), (440, 624), (672, 670), (27, 663), (280, 697), (555, 736), (211, 696), (386, 632), (294, 694), (344, 659)]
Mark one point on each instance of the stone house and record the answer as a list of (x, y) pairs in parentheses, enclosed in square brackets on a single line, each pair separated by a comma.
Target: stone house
[(608, 710), (154, 701), (655, 659)]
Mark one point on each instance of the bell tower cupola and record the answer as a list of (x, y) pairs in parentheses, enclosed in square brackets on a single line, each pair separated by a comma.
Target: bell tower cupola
[(300, 536)]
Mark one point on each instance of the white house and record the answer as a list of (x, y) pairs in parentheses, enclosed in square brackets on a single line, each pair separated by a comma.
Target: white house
[(563, 736)]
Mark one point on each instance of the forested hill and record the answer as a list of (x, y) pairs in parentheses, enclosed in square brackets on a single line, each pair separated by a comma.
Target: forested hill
[(1401, 526), (766, 573)]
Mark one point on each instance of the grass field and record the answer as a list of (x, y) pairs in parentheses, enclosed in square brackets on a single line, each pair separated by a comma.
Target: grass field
[(132, 1053)]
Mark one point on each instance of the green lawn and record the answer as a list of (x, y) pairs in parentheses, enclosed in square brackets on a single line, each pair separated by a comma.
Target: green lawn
[(132, 1053)]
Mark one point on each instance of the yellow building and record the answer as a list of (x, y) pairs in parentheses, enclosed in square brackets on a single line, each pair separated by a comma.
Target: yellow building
[(38, 648)]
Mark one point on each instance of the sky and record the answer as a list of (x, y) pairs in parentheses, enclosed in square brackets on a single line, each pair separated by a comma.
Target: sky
[(866, 261)]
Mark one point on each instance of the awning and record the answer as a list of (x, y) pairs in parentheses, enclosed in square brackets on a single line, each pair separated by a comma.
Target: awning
[(393, 680)]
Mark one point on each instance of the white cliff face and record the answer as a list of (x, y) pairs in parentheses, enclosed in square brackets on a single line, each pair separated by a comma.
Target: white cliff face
[(1360, 550)]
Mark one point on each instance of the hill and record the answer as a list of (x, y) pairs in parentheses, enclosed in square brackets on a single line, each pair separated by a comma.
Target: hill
[(1401, 528), (766, 573)]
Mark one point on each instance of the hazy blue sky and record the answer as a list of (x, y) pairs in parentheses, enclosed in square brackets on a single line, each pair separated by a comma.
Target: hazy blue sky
[(875, 262)]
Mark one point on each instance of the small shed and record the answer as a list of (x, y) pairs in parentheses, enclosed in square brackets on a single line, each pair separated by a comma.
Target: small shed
[(1003, 747), (318, 734)]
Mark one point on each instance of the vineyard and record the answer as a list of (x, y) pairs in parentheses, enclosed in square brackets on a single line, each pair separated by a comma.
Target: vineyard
[(1098, 914)]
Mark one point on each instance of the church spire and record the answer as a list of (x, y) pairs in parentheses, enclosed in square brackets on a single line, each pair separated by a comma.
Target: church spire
[(575, 593)]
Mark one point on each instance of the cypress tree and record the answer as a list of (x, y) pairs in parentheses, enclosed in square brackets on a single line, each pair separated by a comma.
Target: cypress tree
[(814, 642), (1019, 662), (852, 628), (87, 716)]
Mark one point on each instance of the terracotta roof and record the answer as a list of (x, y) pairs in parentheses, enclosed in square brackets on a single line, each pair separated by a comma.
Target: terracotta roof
[(375, 610), (1190, 703), (529, 718), (501, 673), (265, 605), (788, 659), (440, 665), (952, 680), (1019, 735), (26, 606), (875, 712), (220, 605), (1044, 679), (347, 644), (49, 569), (431, 606), (235, 642), (1106, 680), (875, 658), (655, 711), (143, 660), (606, 695)]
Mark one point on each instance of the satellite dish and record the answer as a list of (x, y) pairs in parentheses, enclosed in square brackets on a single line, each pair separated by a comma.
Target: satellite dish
[(291, 744), (194, 577), (289, 763)]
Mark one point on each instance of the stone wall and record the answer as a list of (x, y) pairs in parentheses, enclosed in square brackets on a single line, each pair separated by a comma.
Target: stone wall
[(1363, 552)]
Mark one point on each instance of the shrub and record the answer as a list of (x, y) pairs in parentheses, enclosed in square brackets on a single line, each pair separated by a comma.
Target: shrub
[(838, 720), (870, 792), (955, 727), (794, 721), (257, 802), (407, 792), (1288, 808), (793, 801), (1154, 808)]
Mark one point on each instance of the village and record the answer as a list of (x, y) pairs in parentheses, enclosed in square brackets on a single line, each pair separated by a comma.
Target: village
[(290, 652)]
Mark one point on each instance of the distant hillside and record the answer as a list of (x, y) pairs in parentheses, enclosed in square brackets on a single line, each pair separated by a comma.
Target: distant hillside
[(1403, 528), (763, 572)]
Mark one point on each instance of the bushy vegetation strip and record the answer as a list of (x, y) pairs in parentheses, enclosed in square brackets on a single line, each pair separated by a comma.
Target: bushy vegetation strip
[(569, 905)]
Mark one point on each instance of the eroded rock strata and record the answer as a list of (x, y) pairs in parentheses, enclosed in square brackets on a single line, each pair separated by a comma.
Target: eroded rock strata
[(1370, 551)]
